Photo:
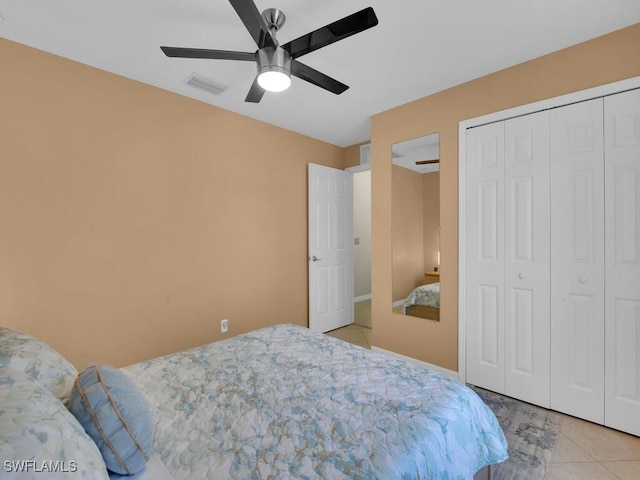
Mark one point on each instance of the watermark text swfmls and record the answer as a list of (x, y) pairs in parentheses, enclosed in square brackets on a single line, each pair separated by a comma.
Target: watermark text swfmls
[(40, 466)]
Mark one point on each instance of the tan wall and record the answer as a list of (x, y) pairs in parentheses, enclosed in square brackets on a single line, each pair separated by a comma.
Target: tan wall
[(415, 220), (407, 232), (351, 155), (431, 209), (133, 220), (603, 60)]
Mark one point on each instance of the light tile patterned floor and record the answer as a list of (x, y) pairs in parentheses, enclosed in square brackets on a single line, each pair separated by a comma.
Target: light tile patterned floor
[(354, 333), (585, 451), (359, 332)]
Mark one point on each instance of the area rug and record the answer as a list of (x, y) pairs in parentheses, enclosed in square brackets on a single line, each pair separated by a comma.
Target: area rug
[(531, 432)]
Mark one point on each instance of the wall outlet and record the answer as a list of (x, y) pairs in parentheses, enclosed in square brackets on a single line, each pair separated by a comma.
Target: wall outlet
[(224, 325)]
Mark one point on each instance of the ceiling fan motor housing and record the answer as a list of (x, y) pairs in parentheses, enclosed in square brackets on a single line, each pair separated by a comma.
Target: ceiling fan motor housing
[(271, 59)]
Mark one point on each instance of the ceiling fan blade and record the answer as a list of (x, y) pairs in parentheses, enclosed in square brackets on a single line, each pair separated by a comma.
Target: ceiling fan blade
[(319, 79), (354, 23), (255, 92), (206, 53), (428, 162), (253, 21)]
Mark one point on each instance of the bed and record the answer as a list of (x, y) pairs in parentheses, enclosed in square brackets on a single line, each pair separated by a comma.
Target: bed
[(284, 402), (424, 301)]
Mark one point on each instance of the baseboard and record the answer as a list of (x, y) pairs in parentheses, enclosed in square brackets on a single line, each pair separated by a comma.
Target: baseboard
[(362, 298), (435, 368)]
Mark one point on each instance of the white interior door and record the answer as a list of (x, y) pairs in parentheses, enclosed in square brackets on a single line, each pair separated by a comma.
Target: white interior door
[(622, 260), (485, 257), (527, 244), (330, 248), (577, 260)]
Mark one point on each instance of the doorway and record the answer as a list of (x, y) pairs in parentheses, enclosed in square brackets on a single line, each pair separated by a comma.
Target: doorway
[(362, 249)]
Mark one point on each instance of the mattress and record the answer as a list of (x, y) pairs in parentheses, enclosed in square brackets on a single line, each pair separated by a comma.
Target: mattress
[(284, 402)]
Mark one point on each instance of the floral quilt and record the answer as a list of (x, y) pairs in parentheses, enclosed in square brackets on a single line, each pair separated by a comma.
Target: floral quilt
[(284, 402)]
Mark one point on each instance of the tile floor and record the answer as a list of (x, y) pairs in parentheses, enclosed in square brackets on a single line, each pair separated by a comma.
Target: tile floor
[(585, 451), (354, 333), (359, 332)]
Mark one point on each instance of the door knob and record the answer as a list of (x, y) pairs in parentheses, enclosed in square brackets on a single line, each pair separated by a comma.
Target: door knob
[(583, 280), (315, 259), (522, 276)]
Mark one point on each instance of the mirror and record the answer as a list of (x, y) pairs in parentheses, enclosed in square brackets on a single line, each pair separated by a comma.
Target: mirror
[(415, 223)]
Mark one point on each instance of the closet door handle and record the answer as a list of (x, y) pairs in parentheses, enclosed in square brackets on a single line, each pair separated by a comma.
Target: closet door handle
[(522, 276), (583, 280)]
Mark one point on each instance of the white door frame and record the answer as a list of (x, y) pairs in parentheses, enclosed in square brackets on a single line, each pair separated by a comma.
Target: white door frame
[(559, 101)]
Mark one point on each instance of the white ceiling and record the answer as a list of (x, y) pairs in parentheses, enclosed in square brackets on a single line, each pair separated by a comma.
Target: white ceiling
[(418, 48)]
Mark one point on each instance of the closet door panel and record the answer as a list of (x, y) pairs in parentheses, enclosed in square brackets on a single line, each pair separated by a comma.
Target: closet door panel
[(622, 227), (577, 260), (485, 257), (527, 335)]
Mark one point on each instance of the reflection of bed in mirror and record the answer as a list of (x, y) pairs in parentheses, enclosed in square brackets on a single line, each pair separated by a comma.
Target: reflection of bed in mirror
[(424, 302)]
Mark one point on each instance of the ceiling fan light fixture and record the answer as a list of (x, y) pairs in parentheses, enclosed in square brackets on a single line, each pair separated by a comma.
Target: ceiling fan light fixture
[(274, 69), (274, 80)]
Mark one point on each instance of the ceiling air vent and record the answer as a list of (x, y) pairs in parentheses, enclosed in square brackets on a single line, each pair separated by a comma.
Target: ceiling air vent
[(206, 84)]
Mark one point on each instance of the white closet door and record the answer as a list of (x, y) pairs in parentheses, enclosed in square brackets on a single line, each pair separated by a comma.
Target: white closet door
[(485, 257), (526, 208), (577, 260), (622, 239)]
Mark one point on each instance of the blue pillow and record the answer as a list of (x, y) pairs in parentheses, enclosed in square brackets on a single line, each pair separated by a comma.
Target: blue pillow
[(114, 413)]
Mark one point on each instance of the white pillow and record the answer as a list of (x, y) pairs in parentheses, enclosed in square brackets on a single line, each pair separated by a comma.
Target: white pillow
[(39, 437), (38, 360)]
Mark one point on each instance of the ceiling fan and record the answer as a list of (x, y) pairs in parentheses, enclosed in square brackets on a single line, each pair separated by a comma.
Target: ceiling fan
[(276, 63)]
